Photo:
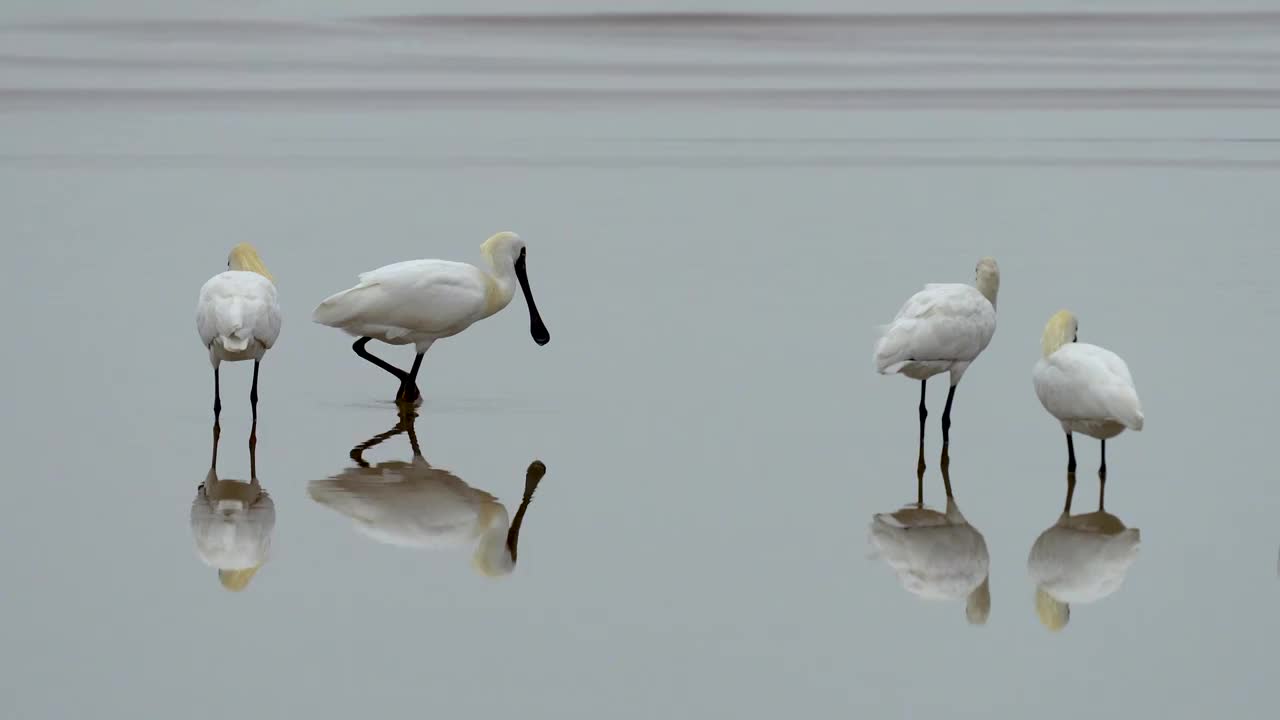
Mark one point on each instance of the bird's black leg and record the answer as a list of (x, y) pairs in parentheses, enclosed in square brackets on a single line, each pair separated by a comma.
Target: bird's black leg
[(217, 397), (946, 469), (409, 392), (1071, 490), (924, 413), (920, 483), (253, 403), (1071, 455), (217, 434), (946, 418), (253, 392), (1102, 477), (360, 350)]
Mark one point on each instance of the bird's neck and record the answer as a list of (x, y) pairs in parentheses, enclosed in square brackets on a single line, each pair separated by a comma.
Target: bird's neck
[(989, 286), (500, 284)]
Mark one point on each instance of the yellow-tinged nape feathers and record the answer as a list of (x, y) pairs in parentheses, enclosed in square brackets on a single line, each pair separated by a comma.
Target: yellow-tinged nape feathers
[(245, 257), (489, 247), (987, 279), (1052, 612), (1060, 330), (977, 606), (237, 580)]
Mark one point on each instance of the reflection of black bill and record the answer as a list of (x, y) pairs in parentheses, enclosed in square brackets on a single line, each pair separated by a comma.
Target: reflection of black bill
[(532, 477), (536, 327)]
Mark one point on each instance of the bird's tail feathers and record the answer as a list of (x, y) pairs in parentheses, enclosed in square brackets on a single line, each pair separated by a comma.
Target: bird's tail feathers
[(235, 342), (232, 333), (332, 311)]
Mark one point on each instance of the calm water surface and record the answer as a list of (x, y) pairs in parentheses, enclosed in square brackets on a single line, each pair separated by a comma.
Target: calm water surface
[(719, 212)]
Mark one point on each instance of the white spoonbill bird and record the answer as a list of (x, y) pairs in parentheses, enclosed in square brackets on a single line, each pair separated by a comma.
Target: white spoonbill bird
[(420, 301), (412, 504), (942, 328), (238, 317), (1080, 559), (1086, 387)]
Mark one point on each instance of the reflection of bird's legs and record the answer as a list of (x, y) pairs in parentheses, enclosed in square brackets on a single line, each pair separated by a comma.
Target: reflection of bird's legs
[(1102, 477), (405, 423), (1071, 454), (217, 434), (924, 413), (946, 469), (946, 419), (408, 392), (1071, 490), (920, 483), (253, 453)]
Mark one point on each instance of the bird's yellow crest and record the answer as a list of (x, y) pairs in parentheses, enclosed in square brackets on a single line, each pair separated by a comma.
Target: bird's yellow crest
[(1052, 612), (237, 580), (245, 257), (1060, 330)]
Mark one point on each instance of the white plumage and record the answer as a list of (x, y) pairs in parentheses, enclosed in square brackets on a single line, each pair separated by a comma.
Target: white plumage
[(415, 302), (936, 556), (1079, 559), (237, 316), (420, 301), (942, 328), (1087, 388)]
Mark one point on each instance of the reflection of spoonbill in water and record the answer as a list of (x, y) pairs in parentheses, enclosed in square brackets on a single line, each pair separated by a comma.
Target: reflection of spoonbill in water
[(942, 328), (232, 522), (1088, 388), (413, 504), (936, 555), (238, 317), (1079, 559), (420, 301)]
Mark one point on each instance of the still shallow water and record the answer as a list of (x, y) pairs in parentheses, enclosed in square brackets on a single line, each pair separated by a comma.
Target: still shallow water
[(711, 249)]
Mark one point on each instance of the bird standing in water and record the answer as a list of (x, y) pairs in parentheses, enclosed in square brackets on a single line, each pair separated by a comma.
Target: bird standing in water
[(1087, 388), (238, 318), (420, 301), (942, 328)]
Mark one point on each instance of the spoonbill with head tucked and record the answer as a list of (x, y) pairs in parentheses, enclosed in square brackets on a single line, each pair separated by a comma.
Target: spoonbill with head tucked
[(238, 317), (1086, 387), (942, 328), (420, 301)]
